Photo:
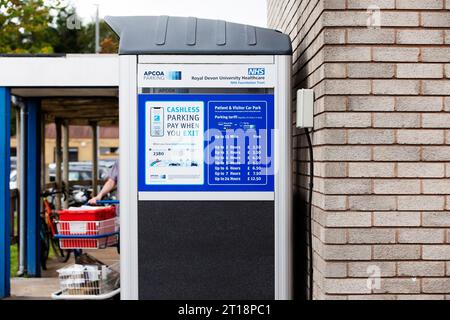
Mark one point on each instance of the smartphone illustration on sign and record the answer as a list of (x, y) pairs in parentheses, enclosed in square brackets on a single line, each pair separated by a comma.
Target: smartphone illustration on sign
[(157, 122)]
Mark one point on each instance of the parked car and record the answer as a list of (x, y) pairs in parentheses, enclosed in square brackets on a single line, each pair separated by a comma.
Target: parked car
[(13, 184), (80, 171), (106, 163), (13, 163)]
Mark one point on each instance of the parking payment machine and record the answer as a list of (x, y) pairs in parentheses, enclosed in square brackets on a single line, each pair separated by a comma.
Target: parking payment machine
[(205, 159)]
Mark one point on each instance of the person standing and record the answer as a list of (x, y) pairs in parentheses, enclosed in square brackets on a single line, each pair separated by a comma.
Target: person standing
[(111, 183)]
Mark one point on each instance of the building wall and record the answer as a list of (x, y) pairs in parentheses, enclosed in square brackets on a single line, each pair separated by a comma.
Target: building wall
[(84, 146), (381, 140)]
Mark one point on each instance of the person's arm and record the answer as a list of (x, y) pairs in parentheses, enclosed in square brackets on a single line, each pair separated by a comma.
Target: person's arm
[(107, 188)]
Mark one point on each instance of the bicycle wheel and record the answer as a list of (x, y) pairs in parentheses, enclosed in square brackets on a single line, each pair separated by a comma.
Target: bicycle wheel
[(61, 254), (45, 246)]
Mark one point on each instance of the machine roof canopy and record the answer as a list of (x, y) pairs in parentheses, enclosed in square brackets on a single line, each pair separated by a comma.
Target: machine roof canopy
[(189, 35)]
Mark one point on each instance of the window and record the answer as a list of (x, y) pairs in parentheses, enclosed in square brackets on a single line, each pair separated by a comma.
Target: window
[(73, 154), (80, 176), (106, 151)]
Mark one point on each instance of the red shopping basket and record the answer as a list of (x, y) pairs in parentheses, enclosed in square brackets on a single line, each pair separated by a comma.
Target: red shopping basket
[(87, 234), (87, 228), (85, 214)]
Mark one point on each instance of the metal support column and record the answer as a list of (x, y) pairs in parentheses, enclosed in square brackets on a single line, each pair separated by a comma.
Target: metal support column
[(23, 189), (94, 158), (18, 174), (43, 164), (58, 161), (33, 163), (18, 150), (5, 133), (65, 131)]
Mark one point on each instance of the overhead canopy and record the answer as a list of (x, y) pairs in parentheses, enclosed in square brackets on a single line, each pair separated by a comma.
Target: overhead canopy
[(79, 88), (181, 35), (82, 111)]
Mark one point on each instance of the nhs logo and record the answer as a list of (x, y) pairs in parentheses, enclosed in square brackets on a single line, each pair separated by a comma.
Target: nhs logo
[(256, 71)]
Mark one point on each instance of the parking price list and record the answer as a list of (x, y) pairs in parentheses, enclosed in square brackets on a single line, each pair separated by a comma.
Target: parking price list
[(242, 127)]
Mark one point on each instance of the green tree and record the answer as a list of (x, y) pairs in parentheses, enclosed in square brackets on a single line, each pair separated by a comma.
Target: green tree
[(35, 26), (25, 26), (109, 42)]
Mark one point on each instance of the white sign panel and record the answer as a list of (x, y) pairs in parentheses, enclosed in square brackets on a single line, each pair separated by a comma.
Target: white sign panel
[(174, 142), (206, 76)]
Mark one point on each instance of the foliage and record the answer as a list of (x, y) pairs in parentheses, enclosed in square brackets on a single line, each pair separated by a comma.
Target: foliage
[(14, 254), (38, 26), (24, 26), (109, 45)]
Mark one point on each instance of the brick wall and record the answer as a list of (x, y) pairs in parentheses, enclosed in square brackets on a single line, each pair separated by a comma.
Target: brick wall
[(381, 141)]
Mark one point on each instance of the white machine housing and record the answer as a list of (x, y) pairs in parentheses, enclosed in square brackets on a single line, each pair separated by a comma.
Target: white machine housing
[(133, 65)]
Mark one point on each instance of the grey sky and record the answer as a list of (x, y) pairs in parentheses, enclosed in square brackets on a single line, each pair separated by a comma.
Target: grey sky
[(251, 12)]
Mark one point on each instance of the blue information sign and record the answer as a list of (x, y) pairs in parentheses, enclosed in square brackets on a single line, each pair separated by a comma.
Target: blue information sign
[(190, 142)]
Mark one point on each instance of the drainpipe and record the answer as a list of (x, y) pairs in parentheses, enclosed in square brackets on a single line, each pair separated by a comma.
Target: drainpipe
[(23, 188)]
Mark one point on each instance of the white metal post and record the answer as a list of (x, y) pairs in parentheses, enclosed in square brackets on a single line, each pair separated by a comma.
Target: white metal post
[(128, 185), (283, 181)]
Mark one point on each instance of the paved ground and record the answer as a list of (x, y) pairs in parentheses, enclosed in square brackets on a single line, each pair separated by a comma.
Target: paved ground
[(42, 288)]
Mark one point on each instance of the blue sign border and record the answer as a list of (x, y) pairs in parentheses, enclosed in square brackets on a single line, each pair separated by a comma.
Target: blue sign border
[(205, 187)]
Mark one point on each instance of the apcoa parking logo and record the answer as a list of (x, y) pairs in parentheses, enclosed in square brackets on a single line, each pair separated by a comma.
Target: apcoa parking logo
[(161, 75), (256, 71), (175, 75)]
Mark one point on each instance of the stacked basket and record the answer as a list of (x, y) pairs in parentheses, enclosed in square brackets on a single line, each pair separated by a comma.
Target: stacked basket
[(88, 280)]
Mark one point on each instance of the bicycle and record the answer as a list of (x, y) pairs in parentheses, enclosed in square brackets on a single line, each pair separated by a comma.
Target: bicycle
[(48, 230)]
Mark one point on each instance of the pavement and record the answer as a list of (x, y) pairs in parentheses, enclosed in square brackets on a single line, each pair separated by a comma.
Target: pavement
[(42, 288)]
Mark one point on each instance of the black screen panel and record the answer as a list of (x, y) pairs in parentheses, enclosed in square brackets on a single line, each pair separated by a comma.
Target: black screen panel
[(206, 249)]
